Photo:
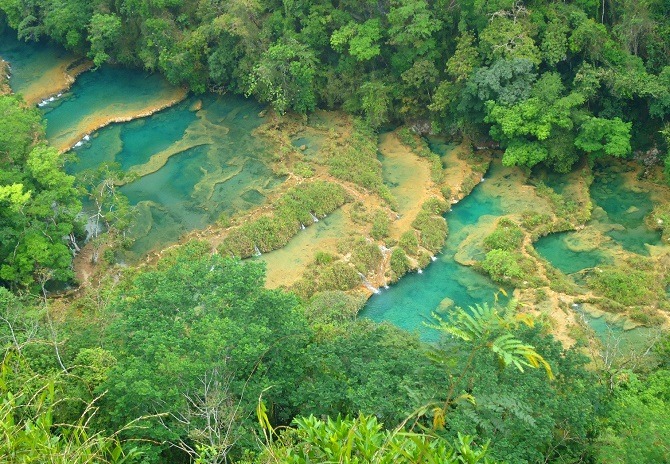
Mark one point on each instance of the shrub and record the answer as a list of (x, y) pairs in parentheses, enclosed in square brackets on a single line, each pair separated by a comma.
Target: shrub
[(338, 276), (359, 214), (423, 259), (510, 267), (435, 206), (625, 286), (507, 236), (432, 230), (323, 257), (409, 242), (303, 169), (380, 225), (365, 256), (530, 220), (399, 263)]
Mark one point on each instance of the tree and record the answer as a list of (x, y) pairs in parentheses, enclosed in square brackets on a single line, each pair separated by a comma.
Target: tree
[(546, 414), (192, 316), (637, 429), (363, 439), (39, 202), (104, 32), (362, 39), (112, 214), (604, 137), (284, 76)]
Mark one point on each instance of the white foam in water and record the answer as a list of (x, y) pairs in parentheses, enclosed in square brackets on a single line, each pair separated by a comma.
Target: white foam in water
[(433, 258), (420, 271)]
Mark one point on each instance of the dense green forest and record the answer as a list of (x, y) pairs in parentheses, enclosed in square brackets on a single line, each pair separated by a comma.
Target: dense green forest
[(192, 359), (549, 81)]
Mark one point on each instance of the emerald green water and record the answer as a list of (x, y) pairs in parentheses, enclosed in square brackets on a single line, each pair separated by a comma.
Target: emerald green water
[(98, 97), (29, 61), (560, 251), (444, 283), (199, 160), (626, 210), (622, 215), (441, 146), (610, 333)]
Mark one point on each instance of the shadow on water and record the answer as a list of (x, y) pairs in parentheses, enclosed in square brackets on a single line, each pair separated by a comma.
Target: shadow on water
[(37, 68)]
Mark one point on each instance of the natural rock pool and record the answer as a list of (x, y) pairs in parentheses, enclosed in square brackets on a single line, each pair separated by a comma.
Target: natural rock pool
[(196, 158)]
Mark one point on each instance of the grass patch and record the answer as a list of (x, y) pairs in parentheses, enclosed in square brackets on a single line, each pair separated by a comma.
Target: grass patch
[(626, 286), (507, 236), (380, 225), (431, 225), (355, 160), (511, 267), (293, 209)]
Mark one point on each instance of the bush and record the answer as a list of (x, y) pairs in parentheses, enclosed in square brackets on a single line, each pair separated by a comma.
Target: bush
[(423, 259), (399, 263), (380, 225), (510, 267), (625, 286), (338, 276), (409, 242), (432, 230), (303, 169), (334, 306), (323, 257), (294, 208), (365, 257), (530, 220), (435, 206), (507, 236), (358, 213)]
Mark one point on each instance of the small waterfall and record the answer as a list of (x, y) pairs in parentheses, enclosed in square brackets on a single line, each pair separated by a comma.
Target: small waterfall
[(367, 284), (257, 252), (46, 101), (386, 286), (302, 226), (433, 258), (82, 141), (419, 271), (314, 218)]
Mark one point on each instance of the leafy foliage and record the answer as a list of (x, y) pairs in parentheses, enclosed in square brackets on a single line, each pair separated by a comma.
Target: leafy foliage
[(39, 203)]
